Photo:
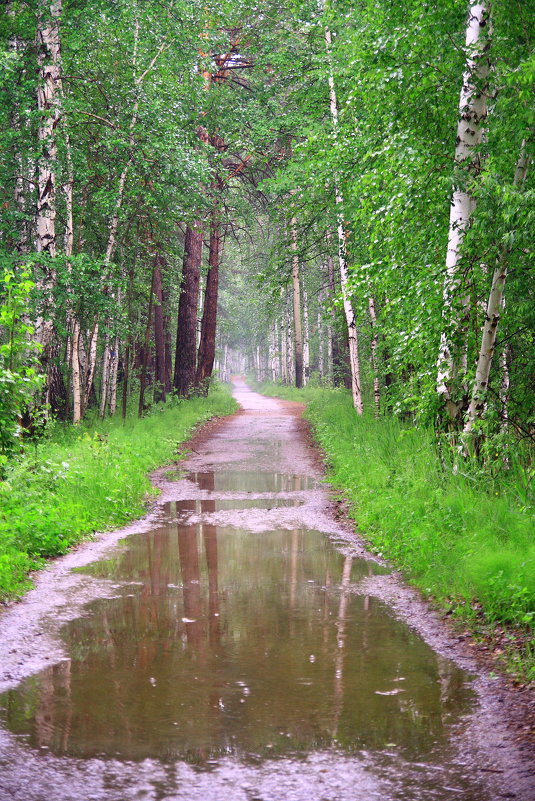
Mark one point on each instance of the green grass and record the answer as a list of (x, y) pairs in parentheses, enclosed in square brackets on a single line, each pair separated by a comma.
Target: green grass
[(87, 479), (463, 538)]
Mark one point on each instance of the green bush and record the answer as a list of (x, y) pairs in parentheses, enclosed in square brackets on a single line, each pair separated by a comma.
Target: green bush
[(87, 479)]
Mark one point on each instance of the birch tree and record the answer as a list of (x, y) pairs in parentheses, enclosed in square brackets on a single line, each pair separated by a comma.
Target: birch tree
[(472, 116), (352, 332), (492, 319)]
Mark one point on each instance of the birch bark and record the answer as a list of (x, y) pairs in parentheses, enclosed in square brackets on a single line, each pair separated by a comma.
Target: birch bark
[(492, 318), (48, 104), (352, 333), (472, 114)]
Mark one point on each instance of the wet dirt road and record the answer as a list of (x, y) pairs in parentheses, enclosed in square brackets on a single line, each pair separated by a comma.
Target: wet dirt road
[(239, 644)]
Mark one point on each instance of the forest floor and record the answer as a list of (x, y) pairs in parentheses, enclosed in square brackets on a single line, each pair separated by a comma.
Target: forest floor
[(263, 454)]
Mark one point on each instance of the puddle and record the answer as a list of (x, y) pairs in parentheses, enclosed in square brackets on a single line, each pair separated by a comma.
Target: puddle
[(181, 509), (232, 644), (247, 481)]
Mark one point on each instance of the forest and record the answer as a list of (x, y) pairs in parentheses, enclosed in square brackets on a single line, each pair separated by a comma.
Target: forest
[(331, 196)]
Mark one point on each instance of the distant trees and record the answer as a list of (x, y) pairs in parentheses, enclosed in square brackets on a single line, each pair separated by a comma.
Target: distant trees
[(306, 167)]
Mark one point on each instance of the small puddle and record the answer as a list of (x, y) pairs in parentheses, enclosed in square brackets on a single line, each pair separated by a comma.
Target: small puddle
[(182, 509), (222, 643), (246, 481)]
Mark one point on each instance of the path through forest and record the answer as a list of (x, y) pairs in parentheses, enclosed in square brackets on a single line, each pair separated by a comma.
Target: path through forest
[(239, 644)]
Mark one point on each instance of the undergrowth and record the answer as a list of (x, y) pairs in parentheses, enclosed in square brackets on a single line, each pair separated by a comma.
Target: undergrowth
[(86, 479), (463, 538)]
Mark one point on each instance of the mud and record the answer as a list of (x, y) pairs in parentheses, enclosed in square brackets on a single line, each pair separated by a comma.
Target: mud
[(240, 643)]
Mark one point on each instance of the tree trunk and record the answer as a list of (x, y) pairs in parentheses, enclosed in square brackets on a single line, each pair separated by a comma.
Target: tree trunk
[(321, 345), (306, 340), (143, 376), (472, 114), (298, 332), (48, 104), (106, 362), (492, 317), (352, 333), (113, 377), (159, 331), (75, 368), (168, 344), (290, 347), (209, 319), (184, 378)]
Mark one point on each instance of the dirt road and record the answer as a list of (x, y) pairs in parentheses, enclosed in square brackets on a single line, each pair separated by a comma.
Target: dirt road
[(239, 643)]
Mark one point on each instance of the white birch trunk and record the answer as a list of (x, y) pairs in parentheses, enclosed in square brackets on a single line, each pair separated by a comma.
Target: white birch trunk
[(321, 346), (472, 114), (290, 348), (283, 348), (75, 373), (306, 340), (48, 104), (72, 322), (492, 318), (352, 333), (91, 364)]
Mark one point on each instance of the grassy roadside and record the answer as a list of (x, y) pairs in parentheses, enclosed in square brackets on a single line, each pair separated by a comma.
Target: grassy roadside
[(87, 479), (465, 540)]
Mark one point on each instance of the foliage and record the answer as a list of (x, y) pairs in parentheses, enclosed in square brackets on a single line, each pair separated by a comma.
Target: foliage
[(18, 377), (87, 479)]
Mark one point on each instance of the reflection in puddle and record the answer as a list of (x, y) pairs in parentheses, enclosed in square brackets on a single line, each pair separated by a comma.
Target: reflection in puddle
[(247, 481), (183, 509), (236, 644)]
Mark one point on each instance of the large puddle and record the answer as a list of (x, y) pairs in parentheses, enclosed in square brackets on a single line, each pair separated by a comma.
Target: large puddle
[(221, 642)]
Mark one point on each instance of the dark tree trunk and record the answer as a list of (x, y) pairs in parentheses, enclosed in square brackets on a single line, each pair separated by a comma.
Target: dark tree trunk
[(159, 333), (56, 391), (128, 348), (146, 348), (168, 343), (205, 362), (186, 345)]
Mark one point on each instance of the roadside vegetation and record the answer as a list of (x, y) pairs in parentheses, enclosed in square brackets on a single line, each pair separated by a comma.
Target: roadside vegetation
[(79, 480), (462, 535)]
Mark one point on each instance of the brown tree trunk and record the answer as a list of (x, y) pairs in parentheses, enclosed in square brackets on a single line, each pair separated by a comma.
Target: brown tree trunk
[(168, 344), (206, 356), (159, 334), (146, 348), (298, 331), (185, 361)]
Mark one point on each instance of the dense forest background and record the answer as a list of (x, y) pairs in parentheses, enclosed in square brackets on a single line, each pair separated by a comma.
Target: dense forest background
[(335, 193)]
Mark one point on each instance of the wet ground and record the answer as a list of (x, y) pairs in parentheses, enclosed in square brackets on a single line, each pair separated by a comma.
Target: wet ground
[(239, 644)]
